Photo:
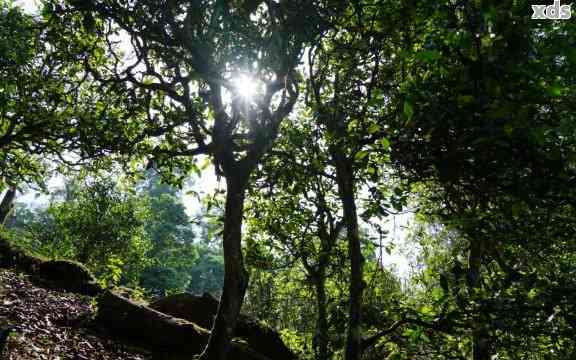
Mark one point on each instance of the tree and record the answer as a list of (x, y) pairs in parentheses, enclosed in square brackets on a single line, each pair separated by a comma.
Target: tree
[(346, 86), (296, 210), (45, 103), (173, 253), (483, 123), (185, 54), (7, 205), (96, 224)]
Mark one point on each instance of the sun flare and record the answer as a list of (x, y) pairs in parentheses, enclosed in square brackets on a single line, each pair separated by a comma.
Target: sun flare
[(245, 86)]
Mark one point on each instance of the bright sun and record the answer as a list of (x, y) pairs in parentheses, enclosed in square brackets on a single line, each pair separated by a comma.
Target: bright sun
[(245, 86)]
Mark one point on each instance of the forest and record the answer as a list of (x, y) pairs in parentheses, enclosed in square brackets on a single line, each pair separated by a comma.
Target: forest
[(287, 179)]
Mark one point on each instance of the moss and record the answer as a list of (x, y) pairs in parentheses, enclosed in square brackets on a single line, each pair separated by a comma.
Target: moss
[(12, 256), (135, 295), (202, 309), (57, 274), (67, 275)]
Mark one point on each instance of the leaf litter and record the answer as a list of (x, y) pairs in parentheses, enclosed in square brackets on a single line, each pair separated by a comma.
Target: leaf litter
[(51, 325)]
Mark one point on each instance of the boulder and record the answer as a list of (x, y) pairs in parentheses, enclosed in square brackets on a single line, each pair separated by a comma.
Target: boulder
[(12, 256), (166, 336), (198, 309), (68, 276), (201, 310), (55, 274)]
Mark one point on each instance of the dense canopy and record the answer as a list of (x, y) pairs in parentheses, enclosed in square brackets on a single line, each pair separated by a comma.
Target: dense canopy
[(328, 121)]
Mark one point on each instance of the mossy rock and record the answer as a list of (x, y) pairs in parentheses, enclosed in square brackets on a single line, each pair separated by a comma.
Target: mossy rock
[(201, 310), (147, 327), (198, 309), (169, 338), (12, 256), (68, 276), (55, 274)]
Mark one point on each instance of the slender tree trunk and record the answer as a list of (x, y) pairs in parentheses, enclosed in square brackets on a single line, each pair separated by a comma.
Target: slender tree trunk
[(354, 336), (480, 350), (6, 204), (345, 176), (235, 275), (480, 340), (321, 338)]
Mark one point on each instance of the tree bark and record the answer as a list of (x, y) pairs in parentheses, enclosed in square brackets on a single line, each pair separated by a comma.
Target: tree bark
[(6, 205), (480, 349), (345, 177), (235, 275), (321, 338), (480, 340)]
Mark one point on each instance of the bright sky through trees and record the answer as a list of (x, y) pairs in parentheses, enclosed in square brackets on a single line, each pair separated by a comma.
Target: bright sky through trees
[(246, 86)]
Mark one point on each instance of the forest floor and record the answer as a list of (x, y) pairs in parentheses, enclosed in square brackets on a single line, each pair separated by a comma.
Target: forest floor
[(53, 325)]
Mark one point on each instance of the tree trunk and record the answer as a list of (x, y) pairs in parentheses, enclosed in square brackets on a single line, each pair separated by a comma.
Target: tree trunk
[(6, 205), (480, 340), (321, 338), (480, 350), (235, 275), (345, 176)]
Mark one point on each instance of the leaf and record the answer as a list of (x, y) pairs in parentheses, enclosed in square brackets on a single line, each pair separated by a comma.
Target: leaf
[(464, 100), (437, 294), (408, 110), (508, 129), (352, 125), (533, 293), (426, 310), (555, 90), (384, 143), (373, 128), (429, 55), (361, 155)]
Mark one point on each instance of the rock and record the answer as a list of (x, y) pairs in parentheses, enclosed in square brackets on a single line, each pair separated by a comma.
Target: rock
[(56, 274), (201, 311), (168, 337), (198, 309), (66, 275), (144, 325), (13, 256)]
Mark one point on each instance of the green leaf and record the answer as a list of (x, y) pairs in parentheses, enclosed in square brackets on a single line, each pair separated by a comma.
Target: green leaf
[(429, 55), (437, 294), (360, 155), (426, 310), (464, 100), (555, 90), (384, 143), (408, 110), (508, 129), (373, 128)]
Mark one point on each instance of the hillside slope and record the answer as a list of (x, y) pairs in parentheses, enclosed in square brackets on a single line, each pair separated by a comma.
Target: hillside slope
[(53, 325)]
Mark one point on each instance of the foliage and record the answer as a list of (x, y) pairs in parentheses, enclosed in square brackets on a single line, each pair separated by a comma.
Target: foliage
[(464, 110), (173, 251), (152, 243), (46, 102), (484, 133), (97, 225), (184, 55)]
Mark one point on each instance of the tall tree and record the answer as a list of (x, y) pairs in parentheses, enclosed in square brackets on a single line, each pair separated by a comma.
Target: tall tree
[(173, 251), (346, 87), (185, 57), (42, 97), (297, 209), (484, 116)]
